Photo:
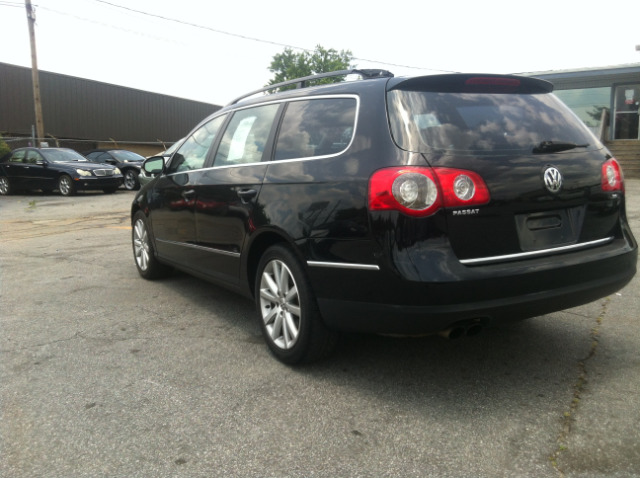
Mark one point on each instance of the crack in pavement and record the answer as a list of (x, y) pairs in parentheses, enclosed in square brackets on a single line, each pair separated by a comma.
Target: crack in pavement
[(578, 387)]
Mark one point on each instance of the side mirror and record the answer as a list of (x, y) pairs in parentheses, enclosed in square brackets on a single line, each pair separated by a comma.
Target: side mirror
[(153, 165)]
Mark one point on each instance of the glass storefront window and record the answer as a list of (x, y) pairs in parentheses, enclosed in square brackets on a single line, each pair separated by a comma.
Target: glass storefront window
[(627, 107), (587, 104)]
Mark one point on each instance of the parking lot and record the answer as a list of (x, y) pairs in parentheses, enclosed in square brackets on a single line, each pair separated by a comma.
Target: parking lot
[(104, 374)]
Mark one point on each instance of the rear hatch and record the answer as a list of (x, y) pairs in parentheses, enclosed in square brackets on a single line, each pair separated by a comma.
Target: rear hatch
[(543, 168)]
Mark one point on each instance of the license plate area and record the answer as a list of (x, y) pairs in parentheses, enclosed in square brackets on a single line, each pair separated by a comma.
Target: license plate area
[(543, 230)]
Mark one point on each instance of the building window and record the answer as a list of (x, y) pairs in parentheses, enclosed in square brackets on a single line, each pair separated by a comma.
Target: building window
[(626, 121), (588, 104)]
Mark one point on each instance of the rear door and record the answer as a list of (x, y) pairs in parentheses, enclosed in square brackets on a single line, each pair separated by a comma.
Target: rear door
[(15, 169)]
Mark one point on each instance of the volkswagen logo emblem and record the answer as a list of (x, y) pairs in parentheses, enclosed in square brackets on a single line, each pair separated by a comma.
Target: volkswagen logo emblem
[(553, 179)]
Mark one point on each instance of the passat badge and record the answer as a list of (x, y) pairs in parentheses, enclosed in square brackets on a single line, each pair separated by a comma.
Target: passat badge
[(553, 179)]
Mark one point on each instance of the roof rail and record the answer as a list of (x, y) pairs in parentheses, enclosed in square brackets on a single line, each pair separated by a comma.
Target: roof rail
[(366, 74)]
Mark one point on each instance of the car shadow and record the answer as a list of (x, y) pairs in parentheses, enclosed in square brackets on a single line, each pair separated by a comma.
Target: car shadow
[(526, 362)]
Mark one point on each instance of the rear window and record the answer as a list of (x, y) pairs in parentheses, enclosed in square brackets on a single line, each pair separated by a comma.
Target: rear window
[(316, 127), (480, 122)]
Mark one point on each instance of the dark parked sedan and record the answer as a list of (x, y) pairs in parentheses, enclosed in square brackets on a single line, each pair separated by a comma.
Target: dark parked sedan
[(55, 168), (127, 161)]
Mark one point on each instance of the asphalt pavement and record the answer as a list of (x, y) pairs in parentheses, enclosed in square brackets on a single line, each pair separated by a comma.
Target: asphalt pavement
[(104, 374)]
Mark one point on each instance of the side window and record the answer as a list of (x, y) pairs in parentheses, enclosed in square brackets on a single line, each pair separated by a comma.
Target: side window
[(193, 152), (316, 127), (18, 156), (246, 136), (99, 156), (32, 156)]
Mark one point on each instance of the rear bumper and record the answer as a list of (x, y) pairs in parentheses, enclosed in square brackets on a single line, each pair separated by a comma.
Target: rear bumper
[(409, 307)]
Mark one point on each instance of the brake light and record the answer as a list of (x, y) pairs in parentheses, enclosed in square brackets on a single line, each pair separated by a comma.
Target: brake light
[(612, 178), (492, 81), (491, 84), (420, 192)]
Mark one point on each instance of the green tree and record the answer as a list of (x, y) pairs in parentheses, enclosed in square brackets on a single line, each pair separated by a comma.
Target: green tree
[(4, 147), (289, 65)]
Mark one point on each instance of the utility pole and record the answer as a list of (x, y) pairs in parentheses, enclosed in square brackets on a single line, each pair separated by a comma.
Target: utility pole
[(31, 18)]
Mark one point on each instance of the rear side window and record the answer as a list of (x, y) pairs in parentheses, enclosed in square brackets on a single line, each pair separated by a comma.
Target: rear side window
[(316, 127), (18, 156), (246, 136), (480, 122)]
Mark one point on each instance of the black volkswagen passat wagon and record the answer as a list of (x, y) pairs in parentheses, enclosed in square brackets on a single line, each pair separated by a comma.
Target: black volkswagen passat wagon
[(390, 205)]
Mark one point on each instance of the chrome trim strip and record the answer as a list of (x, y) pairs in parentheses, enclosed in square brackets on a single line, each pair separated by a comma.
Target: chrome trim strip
[(283, 100), (344, 265), (202, 248), (524, 255)]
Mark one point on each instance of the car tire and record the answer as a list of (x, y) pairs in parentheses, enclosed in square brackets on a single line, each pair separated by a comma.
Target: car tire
[(130, 181), (66, 186), (5, 186), (143, 253), (287, 310)]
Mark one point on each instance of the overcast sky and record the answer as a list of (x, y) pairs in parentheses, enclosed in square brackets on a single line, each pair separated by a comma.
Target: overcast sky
[(214, 51)]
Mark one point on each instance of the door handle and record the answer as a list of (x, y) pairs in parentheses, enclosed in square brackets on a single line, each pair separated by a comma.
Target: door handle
[(247, 195), (190, 194)]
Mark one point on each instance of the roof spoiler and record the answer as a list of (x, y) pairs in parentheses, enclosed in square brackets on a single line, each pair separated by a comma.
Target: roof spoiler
[(474, 83)]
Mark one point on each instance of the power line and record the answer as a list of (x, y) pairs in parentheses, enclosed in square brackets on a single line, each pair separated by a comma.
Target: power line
[(260, 40), (115, 27), (12, 4), (202, 27)]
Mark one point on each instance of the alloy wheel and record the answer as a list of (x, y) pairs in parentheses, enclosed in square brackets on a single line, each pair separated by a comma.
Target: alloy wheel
[(4, 185), (280, 304), (130, 181), (141, 244), (65, 185)]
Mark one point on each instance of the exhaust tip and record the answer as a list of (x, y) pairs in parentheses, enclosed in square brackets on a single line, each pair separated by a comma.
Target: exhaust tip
[(466, 328), (474, 329), (452, 333)]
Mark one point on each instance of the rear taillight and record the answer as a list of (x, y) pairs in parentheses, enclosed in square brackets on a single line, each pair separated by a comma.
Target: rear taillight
[(462, 188), (419, 191), (612, 179)]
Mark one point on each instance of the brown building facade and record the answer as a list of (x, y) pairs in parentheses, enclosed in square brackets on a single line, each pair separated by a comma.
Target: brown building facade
[(85, 114)]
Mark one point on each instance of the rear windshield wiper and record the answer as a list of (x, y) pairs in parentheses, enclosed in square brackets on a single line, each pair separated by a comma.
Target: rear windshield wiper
[(556, 146)]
